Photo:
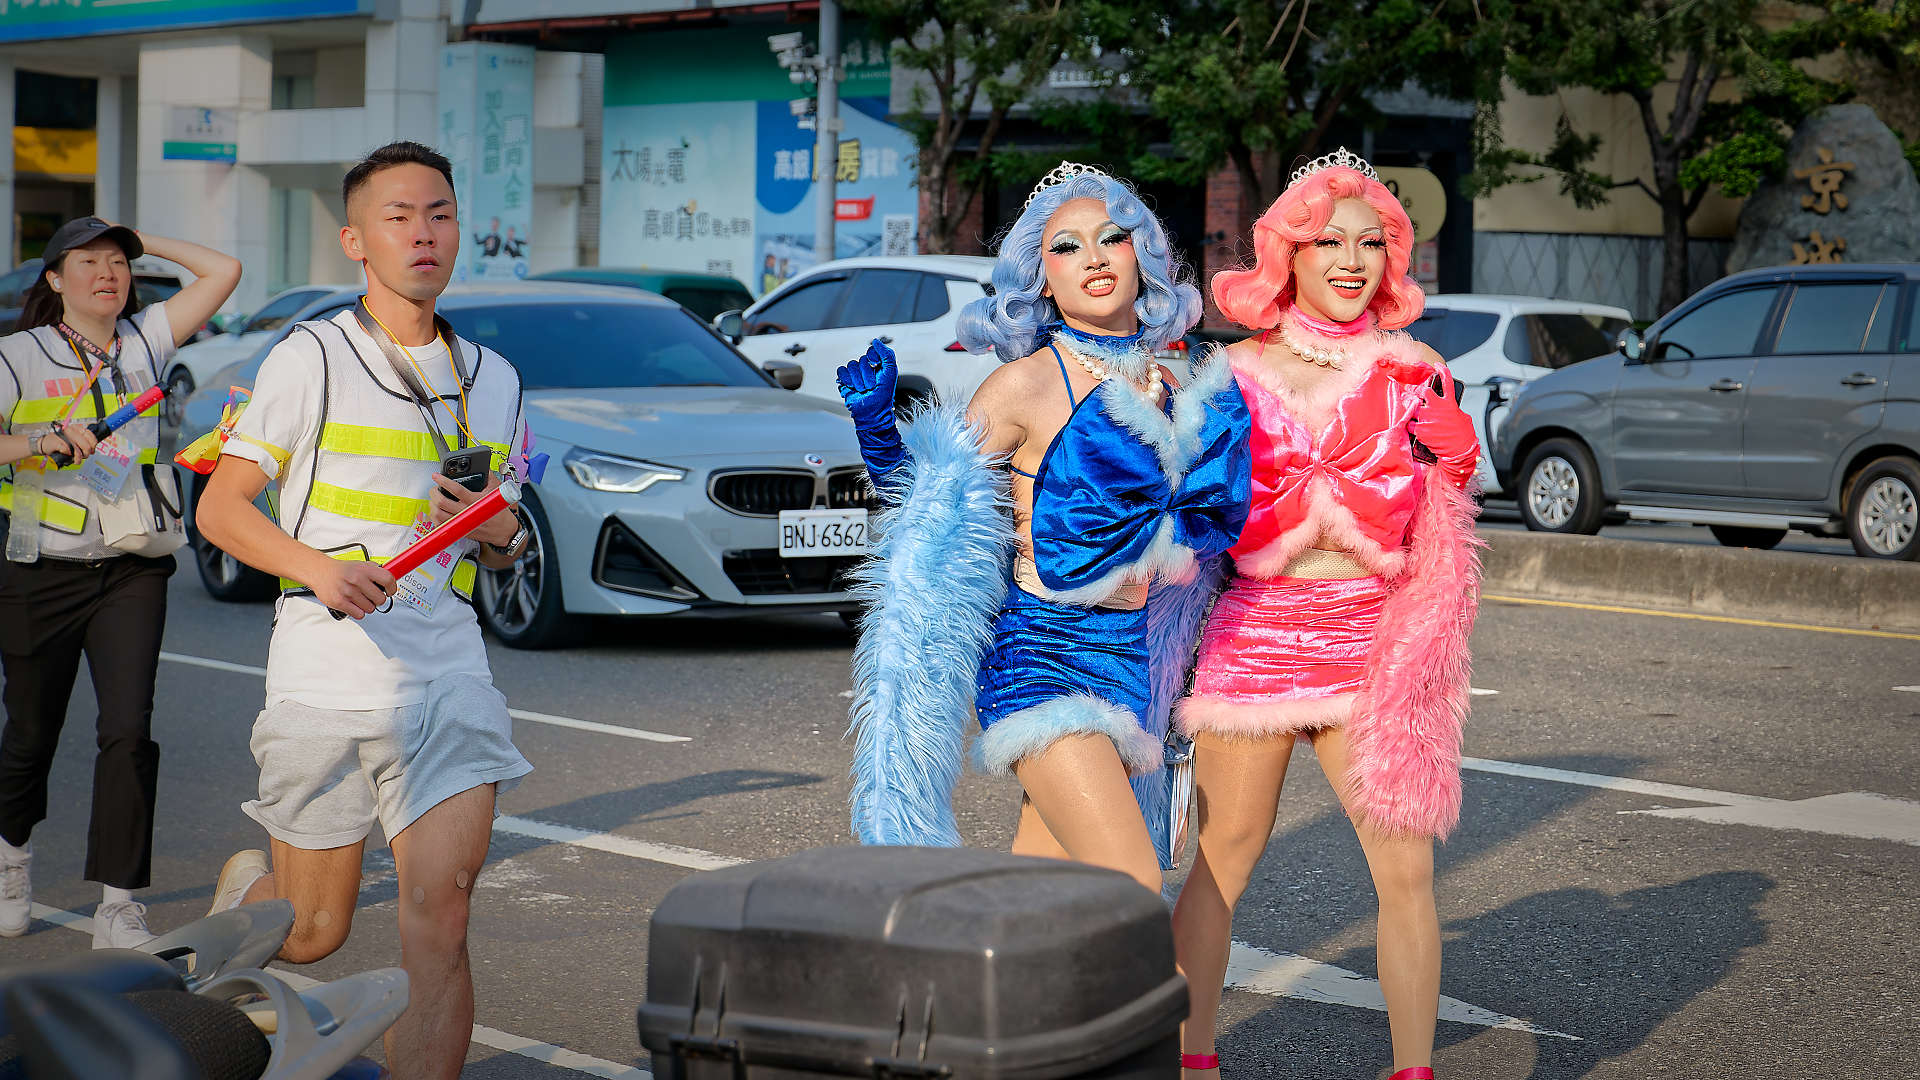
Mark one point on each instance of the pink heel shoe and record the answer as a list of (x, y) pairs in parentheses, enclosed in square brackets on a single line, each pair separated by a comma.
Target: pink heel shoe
[(1199, 1061), (1417, 1072)]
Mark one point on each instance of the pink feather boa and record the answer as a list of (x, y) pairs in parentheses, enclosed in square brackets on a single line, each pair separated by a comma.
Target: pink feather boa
[(1404, 733)]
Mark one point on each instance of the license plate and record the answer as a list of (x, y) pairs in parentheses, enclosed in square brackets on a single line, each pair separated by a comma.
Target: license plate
[(811, 533)]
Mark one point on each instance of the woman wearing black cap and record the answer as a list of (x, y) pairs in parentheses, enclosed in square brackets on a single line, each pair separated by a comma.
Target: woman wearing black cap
[(81, 352)]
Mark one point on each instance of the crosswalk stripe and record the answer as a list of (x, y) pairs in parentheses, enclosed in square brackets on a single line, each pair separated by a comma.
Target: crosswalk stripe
[(492, 1038), (518, 714)]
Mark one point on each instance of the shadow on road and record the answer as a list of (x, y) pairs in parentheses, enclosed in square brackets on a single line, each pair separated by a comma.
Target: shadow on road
[(1607, 968)]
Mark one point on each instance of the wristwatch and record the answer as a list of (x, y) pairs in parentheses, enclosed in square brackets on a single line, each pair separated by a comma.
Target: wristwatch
[(518, 544)]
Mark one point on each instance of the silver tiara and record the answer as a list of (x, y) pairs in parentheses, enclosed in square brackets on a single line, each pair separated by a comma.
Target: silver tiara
[(1062, 173), (1342, 158)]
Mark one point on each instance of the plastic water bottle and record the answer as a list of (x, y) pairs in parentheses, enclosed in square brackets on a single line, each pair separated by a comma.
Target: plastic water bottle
[(23, 526)]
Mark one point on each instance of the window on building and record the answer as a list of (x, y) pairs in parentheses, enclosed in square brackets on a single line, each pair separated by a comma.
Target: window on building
[(1837, 318), (41, 100), (1727, 325), (289, 237)]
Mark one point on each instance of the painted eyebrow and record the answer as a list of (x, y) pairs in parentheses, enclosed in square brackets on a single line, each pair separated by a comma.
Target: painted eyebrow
[(1102, 227)]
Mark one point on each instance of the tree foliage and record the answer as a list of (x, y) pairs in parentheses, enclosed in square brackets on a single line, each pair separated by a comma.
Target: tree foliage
[(1638, 49), (1243, 82), (971, 53)]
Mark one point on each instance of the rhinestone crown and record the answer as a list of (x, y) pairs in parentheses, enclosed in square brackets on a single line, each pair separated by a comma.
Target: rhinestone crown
[(1062, 173), (1342, 158)]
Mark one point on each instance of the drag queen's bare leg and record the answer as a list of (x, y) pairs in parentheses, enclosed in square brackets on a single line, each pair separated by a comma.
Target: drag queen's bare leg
[(1078, 786), (1407, 935), (1239, 783), (1032, 837)]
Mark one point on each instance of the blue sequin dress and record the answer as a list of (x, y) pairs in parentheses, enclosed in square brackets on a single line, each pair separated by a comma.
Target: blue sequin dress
[(1127, 492)]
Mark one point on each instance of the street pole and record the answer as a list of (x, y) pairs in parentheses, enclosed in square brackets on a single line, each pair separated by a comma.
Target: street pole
[(826, 147)]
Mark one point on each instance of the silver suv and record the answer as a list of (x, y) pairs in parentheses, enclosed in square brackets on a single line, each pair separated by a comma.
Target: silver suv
[(1775, 399)]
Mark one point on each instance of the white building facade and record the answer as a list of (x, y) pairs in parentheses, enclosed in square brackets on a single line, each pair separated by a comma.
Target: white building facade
[(232, 125)]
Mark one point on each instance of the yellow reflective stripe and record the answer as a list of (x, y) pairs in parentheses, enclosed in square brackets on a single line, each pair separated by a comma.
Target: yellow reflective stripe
[(366, 505), (464, 573), (55, 512), (389, 443), (47, 410)]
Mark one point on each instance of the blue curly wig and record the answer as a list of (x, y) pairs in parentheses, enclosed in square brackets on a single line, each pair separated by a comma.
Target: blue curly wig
[(1009, 322)]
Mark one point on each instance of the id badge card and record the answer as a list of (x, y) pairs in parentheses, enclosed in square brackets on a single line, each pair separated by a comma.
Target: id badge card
[(423, 588), (109, 468)]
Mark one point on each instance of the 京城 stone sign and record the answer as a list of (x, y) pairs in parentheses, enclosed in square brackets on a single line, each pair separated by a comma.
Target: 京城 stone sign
[(1849, 195)]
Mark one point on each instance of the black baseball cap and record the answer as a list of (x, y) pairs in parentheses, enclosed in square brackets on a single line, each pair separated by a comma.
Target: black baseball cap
[(83, 231)]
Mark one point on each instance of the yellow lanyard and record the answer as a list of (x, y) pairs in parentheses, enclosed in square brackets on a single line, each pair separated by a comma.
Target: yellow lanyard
[(458, 418)]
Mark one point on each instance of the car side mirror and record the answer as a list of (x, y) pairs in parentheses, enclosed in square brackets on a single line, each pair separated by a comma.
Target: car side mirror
[(786, 374), (732, 325), (1632, 344)]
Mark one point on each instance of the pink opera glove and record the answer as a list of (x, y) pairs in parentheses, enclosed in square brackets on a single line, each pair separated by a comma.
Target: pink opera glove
[(1444, 428)]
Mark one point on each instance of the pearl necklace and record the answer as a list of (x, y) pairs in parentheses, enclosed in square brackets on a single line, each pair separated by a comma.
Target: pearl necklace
[(1327, 357), (1153, 387)]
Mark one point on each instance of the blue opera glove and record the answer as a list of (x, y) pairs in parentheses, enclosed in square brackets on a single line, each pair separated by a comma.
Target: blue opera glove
[(868, 386)]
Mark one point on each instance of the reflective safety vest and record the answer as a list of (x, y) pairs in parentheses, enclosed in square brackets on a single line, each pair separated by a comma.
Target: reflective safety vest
[(48, 376), (364, 485)]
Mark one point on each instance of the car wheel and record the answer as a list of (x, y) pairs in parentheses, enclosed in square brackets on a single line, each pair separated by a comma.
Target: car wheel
[(179, 388), (521, 605), (1742, 536), (226, 578), (1560, 489), (1883, 509)]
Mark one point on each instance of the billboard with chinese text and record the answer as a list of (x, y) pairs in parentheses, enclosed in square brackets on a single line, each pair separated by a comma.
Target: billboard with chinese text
[(486, 130), (708, 164)]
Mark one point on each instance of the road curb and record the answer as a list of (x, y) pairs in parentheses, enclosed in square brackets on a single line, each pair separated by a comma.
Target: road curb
[(1787, 586)]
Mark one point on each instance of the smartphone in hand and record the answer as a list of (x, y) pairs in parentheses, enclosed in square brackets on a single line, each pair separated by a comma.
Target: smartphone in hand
[(468, 467)]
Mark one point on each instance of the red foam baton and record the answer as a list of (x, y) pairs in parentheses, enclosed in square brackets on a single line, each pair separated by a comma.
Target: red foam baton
[(120, 417), (451, 531)]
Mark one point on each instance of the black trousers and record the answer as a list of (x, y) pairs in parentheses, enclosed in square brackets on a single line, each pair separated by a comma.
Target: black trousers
[(113, 610)]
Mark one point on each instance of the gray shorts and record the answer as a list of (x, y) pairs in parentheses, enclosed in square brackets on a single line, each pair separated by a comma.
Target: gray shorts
[(326, 775)]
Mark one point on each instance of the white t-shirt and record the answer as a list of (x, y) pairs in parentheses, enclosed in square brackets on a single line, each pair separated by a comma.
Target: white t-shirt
[(40, 363), (385, 660)]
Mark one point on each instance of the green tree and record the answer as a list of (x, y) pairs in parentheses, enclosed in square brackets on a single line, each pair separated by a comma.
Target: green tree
[(1634, 48), (969, 52), (1259, 83)]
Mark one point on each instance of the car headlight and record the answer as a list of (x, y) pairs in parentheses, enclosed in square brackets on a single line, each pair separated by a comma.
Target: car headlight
[(606, 472)]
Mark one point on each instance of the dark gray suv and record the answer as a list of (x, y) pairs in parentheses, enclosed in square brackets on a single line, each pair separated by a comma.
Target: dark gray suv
[(1775, 399)]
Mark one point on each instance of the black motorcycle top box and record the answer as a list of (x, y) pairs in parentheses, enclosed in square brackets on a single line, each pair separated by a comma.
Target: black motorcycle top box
[(912, 962)]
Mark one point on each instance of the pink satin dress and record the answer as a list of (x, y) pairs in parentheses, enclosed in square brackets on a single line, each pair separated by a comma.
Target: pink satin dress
[(1336, 470)]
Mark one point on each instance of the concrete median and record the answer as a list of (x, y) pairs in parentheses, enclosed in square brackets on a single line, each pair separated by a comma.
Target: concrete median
[(1822, 590)]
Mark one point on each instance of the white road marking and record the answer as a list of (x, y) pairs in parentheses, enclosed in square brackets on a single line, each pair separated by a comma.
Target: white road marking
[(1612, 783), (1290, 975), (492, 1038), (1908, 689), (1480, 691), (1862, 814), (1248, 968), (615, 844), (517, 714)]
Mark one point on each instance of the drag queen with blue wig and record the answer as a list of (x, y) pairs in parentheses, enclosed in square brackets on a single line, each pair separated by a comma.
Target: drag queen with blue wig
[(1036, 563)]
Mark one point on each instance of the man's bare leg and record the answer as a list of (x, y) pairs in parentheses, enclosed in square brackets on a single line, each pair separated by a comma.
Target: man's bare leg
[(324, 885), (438, 857)]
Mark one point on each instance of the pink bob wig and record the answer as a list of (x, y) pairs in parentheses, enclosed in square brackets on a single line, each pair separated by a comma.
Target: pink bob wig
[(1255, 297)]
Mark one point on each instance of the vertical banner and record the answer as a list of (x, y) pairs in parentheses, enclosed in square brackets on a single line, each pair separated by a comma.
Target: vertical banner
[(486, 130)]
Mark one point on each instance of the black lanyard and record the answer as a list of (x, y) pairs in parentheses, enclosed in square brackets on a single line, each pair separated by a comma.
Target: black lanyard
[(83, 347), (403, 369)]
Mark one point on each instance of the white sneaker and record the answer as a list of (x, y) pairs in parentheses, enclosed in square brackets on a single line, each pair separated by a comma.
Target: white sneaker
[(121, 925), (241, 871), (16, 893)]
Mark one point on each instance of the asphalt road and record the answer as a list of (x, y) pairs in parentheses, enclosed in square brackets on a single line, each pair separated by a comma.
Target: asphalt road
[(1659, 870)]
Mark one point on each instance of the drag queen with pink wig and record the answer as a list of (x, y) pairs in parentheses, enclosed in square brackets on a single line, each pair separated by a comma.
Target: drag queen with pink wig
[(1355, 587)]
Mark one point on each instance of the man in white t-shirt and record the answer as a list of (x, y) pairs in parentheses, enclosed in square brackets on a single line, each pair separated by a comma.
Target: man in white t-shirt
[(390, 715)]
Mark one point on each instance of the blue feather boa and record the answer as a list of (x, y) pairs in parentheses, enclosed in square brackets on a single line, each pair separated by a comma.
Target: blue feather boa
[(937, 574)]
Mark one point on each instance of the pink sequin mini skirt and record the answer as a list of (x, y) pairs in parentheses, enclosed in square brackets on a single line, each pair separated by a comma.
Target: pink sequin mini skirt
[(1283, 656)]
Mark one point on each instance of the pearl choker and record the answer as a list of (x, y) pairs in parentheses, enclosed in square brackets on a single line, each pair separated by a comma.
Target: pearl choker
[(1099, 371), (1326, 356)]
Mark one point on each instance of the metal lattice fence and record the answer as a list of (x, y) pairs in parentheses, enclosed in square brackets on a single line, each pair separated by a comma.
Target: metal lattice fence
[(1621, 270)]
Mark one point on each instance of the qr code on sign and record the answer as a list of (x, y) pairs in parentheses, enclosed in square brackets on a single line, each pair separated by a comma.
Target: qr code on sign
[(897, 234)]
